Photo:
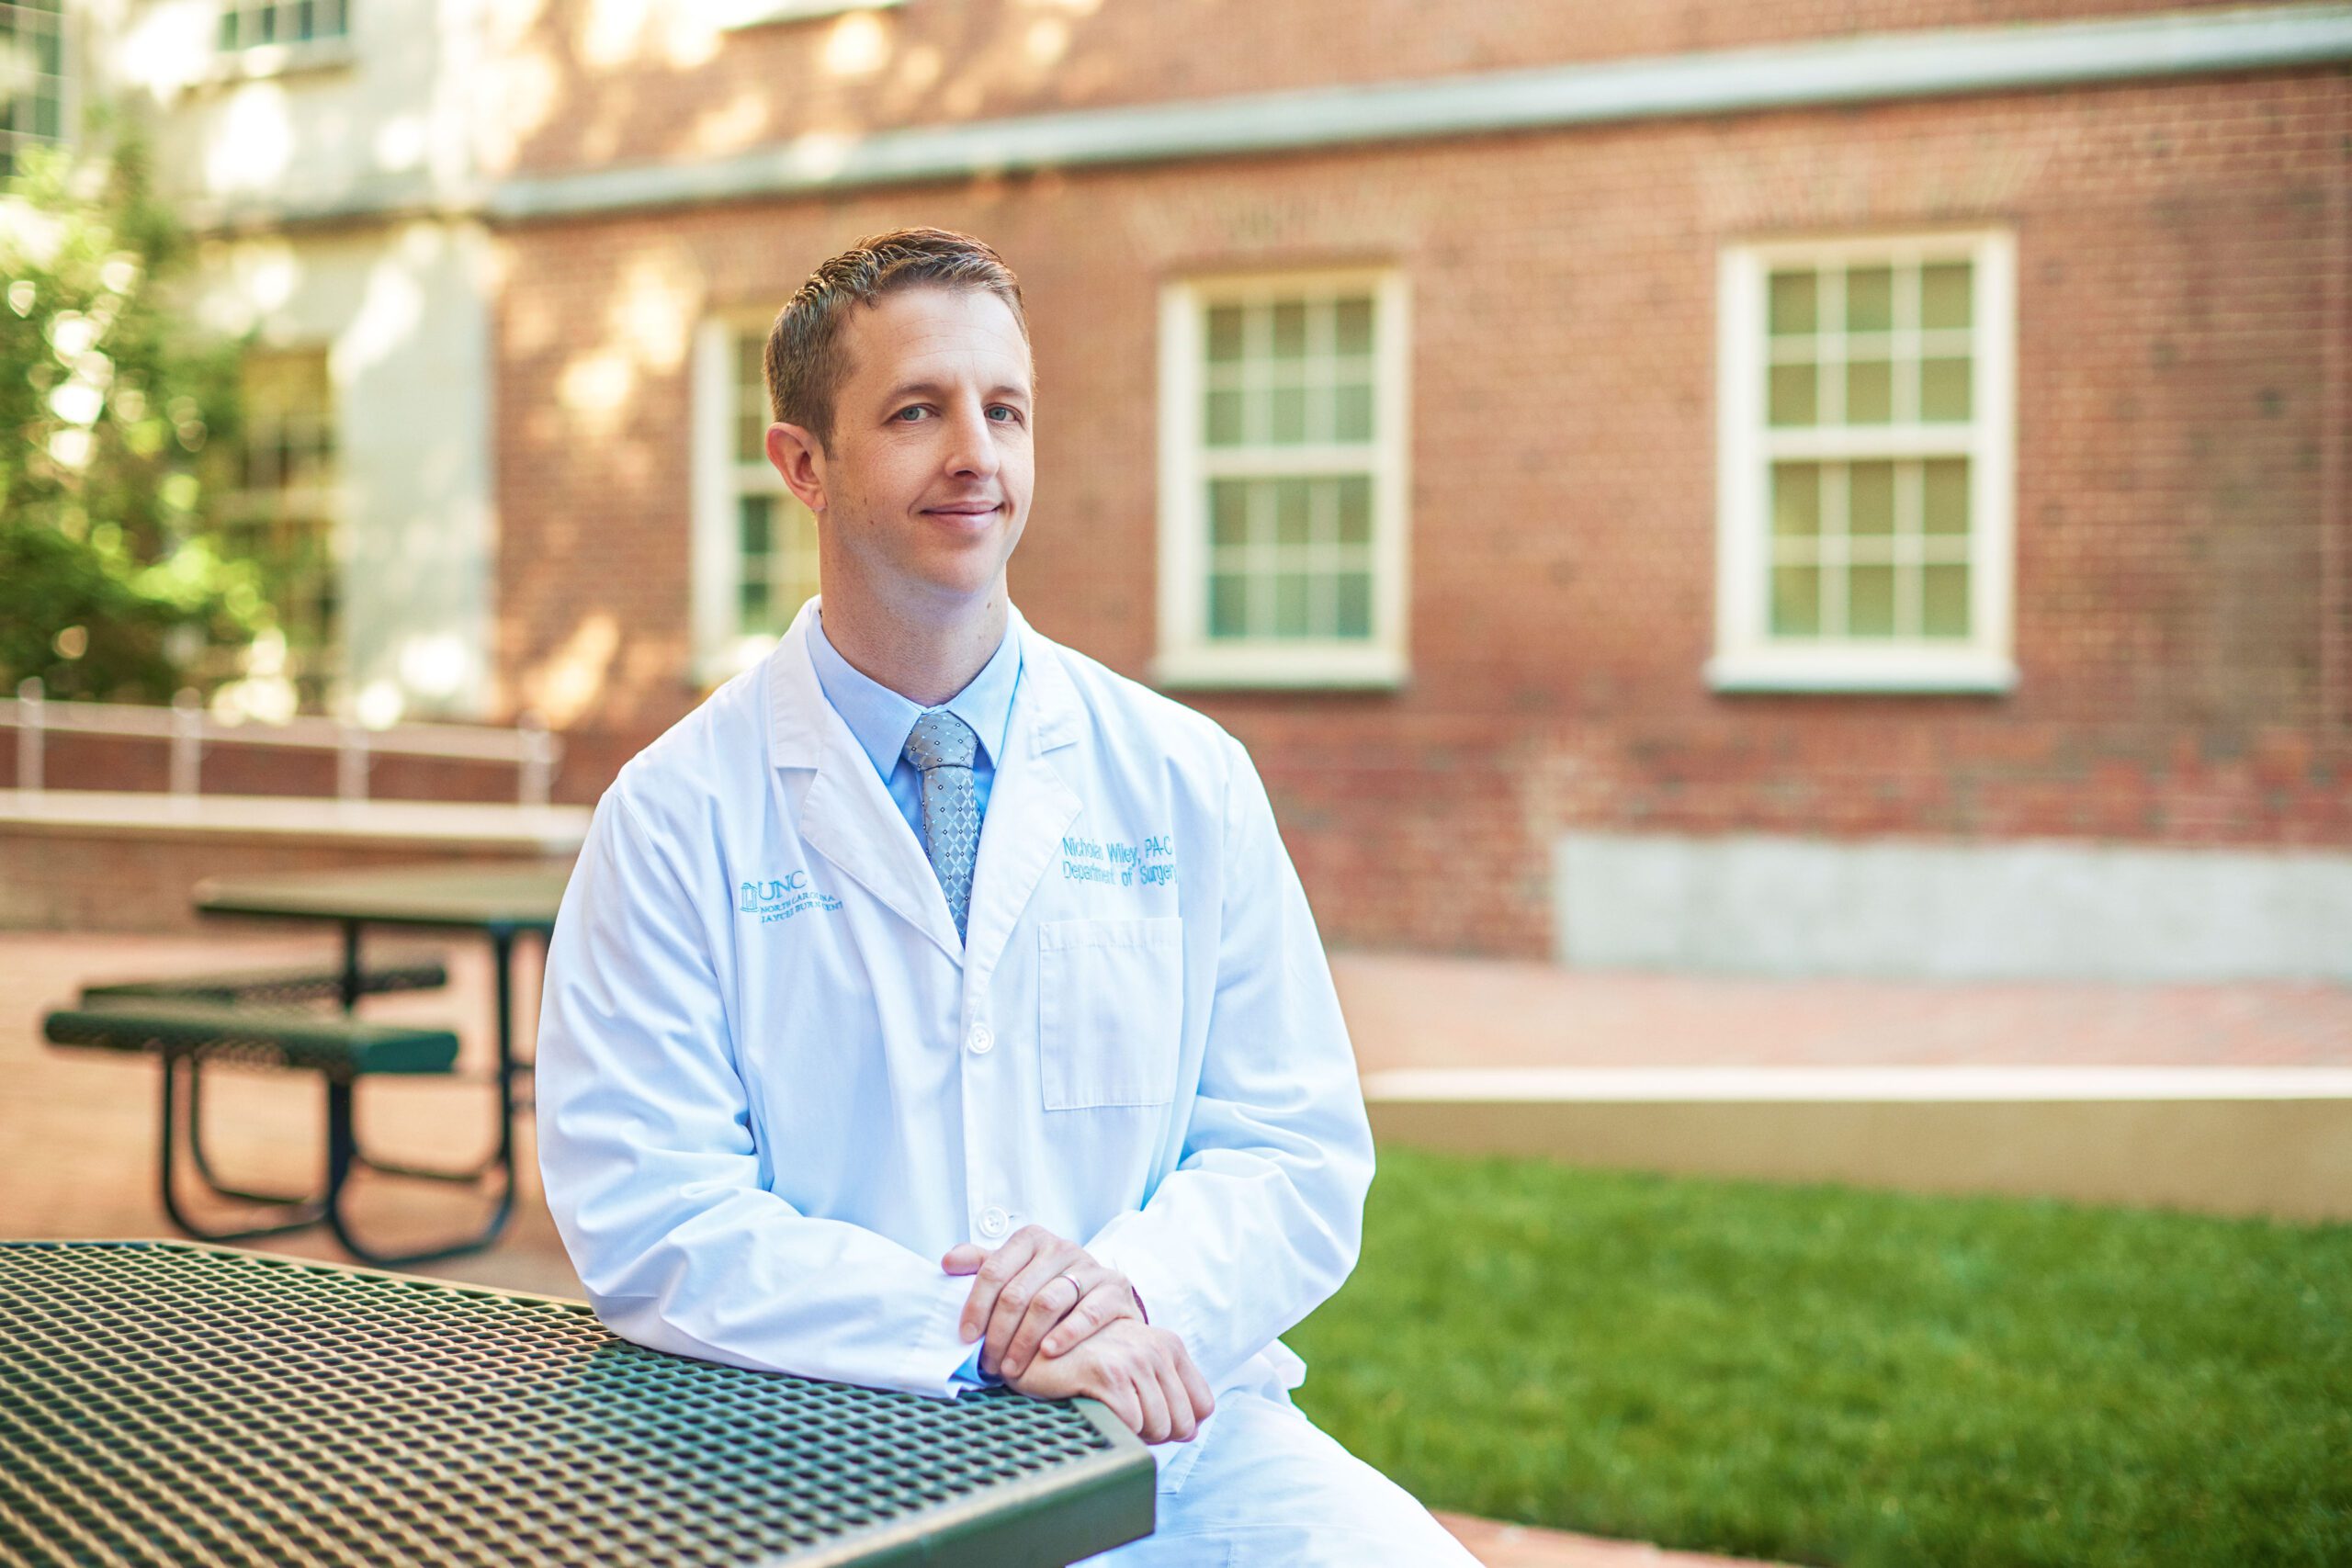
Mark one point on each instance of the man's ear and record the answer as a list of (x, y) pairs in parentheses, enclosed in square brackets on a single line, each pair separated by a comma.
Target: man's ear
[(801, 458)]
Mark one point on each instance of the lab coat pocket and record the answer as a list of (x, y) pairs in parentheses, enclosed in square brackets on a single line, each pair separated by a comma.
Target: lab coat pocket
[(1110, 1005)]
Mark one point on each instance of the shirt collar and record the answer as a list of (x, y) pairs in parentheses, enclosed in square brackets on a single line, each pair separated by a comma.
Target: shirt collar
[(881, 719)]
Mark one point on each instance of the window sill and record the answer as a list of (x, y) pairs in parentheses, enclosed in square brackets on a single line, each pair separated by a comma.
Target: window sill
[(279, 59), (1918, 671), (1315, 667), (734, 15)]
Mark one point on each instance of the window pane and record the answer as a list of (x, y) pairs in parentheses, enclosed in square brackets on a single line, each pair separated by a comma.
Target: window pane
[(1351, 413), (1355, 510), (1225, 334), (1290, 604), (1870, 392), (1352, 326), (792, 564), (1228, 511), (1290, 416), (1791, 399), (1944, 295), (1870, 498), (1796, 600), (1796, 498), (751, 607), (1290, 512), (1290, 330), (1354, 603), (1945, 490), (1944, 389), (228, 29), (1870, 299), (756, 528), (1228, 604), (1870, 601), (751, 398), (1793, 305), (1225, 419), (1943, 601)]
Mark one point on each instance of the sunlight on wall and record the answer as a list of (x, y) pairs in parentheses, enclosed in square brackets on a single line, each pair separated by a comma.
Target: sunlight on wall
[(620, 34), (393, 306), (398, 142), (256, 144), (1049, 40), (859, 45), (738, 123), (165, 48), (648, 326), (571, 681)]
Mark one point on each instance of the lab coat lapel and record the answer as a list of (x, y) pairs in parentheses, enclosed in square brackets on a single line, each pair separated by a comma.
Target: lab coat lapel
[(1030, 804), (847, 814)]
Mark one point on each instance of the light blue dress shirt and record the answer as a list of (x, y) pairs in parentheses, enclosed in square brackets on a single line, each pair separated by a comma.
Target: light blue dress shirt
[(881, 719)]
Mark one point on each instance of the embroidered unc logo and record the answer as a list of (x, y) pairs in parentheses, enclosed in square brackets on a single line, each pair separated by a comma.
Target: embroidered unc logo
[(781, 898)]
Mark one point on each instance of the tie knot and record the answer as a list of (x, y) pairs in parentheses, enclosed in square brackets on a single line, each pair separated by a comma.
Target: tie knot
[(940, 740)]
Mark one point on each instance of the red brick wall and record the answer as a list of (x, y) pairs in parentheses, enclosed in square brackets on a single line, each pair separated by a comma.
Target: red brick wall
[(2183, 258), (585, 89), (117, 880)]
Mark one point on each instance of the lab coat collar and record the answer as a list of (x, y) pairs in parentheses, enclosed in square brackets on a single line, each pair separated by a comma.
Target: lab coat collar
[(801, 719), (848, 816)]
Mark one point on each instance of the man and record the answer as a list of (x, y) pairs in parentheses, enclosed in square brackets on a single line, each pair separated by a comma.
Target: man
[(932, 1006)]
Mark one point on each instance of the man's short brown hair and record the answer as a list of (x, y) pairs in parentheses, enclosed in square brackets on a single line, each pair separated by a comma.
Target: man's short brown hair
[(805, 361)]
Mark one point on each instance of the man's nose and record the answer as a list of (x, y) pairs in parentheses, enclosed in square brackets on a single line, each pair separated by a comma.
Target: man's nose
[(973, 449)]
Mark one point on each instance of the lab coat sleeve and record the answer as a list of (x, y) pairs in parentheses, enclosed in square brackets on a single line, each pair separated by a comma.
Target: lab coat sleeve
[(1262, 1219), (647, 1153)]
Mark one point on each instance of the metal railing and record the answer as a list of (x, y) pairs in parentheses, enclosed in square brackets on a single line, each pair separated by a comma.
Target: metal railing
[(190, 729)]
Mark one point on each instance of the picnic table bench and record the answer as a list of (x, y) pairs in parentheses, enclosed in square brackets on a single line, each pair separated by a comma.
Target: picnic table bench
[(189, 1028)]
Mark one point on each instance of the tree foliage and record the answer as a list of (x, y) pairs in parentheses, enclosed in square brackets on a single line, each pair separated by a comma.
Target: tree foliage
[(111, 584)]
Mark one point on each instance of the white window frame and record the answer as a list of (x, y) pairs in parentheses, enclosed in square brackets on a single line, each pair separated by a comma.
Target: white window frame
[(720, 648), (1187, 656), (1748, 657), (735, 16), (66, 20)]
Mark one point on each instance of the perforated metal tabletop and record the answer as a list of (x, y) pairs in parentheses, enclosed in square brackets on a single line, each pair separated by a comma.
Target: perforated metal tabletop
[(168, 1403)]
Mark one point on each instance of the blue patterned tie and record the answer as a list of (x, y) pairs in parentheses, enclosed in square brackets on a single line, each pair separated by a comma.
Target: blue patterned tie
[(942, 745)]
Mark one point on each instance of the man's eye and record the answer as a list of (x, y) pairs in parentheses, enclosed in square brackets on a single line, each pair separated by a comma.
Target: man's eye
[(1000, 409), (915, 408)]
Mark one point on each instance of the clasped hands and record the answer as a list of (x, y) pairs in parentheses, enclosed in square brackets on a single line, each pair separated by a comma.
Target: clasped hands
[(1053, 1337)]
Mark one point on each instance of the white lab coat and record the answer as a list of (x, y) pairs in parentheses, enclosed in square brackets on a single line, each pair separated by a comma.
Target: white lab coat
[(773, 1088)]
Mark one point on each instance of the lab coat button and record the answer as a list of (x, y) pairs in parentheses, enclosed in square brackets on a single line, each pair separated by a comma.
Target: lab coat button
[(981, 1040), (992, 1221)]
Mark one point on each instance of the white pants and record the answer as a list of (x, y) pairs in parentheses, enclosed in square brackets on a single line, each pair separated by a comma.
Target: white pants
[(1265, 1485)]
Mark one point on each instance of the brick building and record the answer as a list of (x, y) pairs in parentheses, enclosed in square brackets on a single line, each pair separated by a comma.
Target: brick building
[(1807, 489)]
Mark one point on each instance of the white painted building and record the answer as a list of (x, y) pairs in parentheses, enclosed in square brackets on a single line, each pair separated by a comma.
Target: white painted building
[(329, 151)]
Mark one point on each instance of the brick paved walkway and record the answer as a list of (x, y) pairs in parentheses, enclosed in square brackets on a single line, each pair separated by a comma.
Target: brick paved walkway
[(77, 1133)]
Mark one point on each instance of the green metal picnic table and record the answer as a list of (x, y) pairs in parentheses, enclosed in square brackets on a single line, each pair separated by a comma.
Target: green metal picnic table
[(504, 900), (164, 1402)]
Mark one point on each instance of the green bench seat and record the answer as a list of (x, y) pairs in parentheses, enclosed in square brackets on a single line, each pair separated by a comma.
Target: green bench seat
[(336, 1044), (159, 1019)]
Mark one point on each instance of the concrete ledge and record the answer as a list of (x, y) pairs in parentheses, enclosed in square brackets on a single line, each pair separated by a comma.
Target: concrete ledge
[(1789, 907), (101, 860), (2268, 1142), (536, 829)]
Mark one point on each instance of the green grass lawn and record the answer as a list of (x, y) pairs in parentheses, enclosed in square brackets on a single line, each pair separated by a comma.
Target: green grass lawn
[(1824, 1375)]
